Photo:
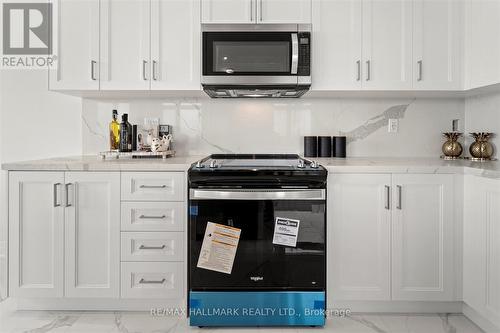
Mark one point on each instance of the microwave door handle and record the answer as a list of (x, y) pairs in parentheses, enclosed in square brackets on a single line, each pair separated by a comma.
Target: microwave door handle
[(295, 53)]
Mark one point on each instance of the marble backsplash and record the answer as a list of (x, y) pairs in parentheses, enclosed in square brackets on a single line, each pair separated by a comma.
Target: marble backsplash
[(203, 126)]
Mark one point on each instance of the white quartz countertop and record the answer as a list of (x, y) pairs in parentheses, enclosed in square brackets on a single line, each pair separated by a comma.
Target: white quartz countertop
[(335, 165), (96, 163), (490, 169)]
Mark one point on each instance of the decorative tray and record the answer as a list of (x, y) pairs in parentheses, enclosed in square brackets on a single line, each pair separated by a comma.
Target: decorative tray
[(136, 154)]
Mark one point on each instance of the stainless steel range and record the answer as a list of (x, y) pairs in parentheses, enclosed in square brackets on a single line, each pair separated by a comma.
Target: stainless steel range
[(257, 241)]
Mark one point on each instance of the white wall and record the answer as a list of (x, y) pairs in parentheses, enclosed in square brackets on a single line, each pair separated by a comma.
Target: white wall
[(482, 114), (203, 126), (35, 123)]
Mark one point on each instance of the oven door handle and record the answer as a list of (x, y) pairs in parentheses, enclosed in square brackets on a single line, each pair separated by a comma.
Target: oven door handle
[(295, 54), (257, 194)]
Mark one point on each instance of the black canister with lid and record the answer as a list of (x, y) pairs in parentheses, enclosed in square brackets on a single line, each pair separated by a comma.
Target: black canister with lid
[(339, 146), (324, 146), (310, 146)]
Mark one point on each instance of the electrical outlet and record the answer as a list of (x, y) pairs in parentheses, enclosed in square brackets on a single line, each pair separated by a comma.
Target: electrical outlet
[(393, 126)]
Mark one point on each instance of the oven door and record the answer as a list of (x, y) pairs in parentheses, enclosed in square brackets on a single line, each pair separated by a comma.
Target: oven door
[(259, 264), (250, 57)]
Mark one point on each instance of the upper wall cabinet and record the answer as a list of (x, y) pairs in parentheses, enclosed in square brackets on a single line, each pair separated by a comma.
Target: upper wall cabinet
[(336, 45), (136, 45), (437, 49), (386, 45), (175, 52), (76, 44), (387, 34), (125, 48), (256, 11), (482, 43), (284, 11), (228, 11)]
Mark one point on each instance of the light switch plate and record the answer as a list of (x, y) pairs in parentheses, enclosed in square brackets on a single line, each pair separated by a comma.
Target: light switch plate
[(393, 126)]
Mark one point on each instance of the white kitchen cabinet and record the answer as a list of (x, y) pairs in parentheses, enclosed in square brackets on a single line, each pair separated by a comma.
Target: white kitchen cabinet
[(92, 234), (437, 49), (284, 11), (481, 278), (423, 237), (387, 44), (336, 63), (175, 47), (76, 45), (406, 228), (359, 272), (228, 11), (36, 230), (125, 44), (482, 43), (256, 11)]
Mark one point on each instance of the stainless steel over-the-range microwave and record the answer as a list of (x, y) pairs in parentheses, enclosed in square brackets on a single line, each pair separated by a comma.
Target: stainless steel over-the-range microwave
[(254, 60)]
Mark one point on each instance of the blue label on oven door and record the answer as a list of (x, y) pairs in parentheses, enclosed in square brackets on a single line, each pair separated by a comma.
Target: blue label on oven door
[(193, 210)]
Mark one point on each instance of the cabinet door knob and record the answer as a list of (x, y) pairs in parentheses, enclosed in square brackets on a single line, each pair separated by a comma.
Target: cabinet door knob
[(368, 70)]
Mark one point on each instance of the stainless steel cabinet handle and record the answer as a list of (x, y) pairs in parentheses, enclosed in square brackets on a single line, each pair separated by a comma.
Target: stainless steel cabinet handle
[(144, 64), (358, 63), (261, 10), (153, 186), (57, 203), (146, 217), (419, 63), (66, 187), (400, 190), (92, 70), (387, 197), (142, 281), (368, 70), (154, 70), (251, 10), (144, 247)]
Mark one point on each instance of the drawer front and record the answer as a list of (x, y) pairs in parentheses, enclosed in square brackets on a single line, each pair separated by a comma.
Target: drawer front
[(152, 246), (153, 186), (153, 216), (152, 280)]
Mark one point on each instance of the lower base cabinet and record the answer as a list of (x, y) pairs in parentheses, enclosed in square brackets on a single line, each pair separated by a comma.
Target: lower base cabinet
[(481, 279), (391, 237)]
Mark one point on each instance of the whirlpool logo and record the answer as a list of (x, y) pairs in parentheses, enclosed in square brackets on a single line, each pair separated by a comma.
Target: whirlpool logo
[(27, 35), (256, 278)]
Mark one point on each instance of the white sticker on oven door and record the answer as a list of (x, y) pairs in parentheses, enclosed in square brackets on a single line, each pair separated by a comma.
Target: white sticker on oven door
[(286, 232), (219, 248)]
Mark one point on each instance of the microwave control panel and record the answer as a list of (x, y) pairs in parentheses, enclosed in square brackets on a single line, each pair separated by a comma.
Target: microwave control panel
[(304, 67)]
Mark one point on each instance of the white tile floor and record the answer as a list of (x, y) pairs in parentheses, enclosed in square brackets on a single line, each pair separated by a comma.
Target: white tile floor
[(140, 322)]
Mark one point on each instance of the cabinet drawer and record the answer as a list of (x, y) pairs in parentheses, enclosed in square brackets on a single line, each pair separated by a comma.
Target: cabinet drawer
[(153, 186), (153, 216), (152, 246), (152, 280)]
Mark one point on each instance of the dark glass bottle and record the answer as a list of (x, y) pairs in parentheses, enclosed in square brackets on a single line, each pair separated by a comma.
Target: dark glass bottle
[(125, 134)]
